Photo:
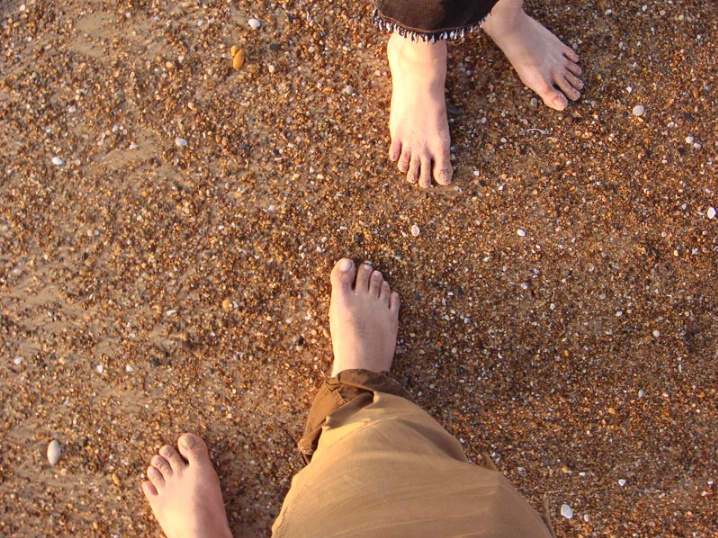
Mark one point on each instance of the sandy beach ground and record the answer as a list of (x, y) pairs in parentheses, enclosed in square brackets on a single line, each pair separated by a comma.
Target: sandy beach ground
[(560, 302)]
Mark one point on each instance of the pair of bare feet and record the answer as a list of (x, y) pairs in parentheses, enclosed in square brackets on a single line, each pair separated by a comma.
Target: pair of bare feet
[(418, 125), (182, 486)]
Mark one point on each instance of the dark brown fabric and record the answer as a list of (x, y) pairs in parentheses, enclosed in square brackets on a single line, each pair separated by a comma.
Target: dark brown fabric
[(433, 18), (338, 391)]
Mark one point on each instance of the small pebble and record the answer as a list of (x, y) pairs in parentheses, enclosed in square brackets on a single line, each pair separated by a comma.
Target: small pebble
[(57, 161), (638, 110), (415, 231), (689, 139), (566, 511), (621, 482), (100, 368), (271, 68), (656, 333), (181, 142), (521, 233), (254, 24), (129, 369), (477, 173), (18, 361), (533, 102), (711, 213), (586, 518), (53, 451)]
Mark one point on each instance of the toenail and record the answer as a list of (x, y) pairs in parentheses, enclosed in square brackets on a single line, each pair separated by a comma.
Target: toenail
[(366, 266), (345, 265)]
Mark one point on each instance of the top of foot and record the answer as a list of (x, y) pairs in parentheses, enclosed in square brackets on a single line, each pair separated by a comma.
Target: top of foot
[(363, 318)]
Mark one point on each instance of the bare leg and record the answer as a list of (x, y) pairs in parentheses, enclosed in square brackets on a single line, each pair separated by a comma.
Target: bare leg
[(363, 318), (418, 126), (543, 63), (185, 497)]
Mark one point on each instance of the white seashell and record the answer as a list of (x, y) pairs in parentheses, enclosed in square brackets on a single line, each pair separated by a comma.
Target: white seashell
[(566, 511), (53, 451), (621, 482), (638, 110), (18, 361), (129, 369), (711, 213), (254, 24), (415, 231), (100, 368), (57, 161), (521, 233), (181, 142)]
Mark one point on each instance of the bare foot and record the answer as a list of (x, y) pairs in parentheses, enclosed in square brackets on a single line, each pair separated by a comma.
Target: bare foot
[(184, 495), (418, 126), (543, 63), (363, 318)]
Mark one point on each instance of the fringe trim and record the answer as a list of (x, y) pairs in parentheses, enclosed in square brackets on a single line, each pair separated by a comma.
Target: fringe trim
[(417, 35)]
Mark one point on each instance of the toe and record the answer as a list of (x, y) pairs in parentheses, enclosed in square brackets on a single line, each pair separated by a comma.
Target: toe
[(568, 90), (193, 448), (574, 69), (425, 174), (162, 465), (158, 481), (555, 99), (395, 150), (404, 162), (443, 171), (571, 54), (343, 274), (394, 302), (413, 174), (172, 456), (149, 489), (385, 294), (575, 82), (363, 276), (375, 283)]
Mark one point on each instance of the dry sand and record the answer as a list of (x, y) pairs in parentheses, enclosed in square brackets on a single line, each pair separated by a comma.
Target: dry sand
[(148, 289)]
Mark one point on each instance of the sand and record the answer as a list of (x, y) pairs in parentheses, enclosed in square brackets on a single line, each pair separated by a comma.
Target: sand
[(148, 288)]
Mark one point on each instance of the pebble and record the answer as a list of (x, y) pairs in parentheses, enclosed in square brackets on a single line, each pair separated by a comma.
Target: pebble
[(638, 110), (621, 482), (129, 369), (53, 451), (711, 213), (566, 511), (254, 24), (237, 57), (57, 161), (415, 231), (18, 361), (181, 142), (533, 102), (100, 368), (477, 173), (521, 233)]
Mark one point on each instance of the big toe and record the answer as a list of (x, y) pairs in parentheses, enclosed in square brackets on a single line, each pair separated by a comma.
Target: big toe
[(343, 274), (555, 99), (193, 448)]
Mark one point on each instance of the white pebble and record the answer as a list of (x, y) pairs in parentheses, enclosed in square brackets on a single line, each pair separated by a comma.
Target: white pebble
[(638, 110), (415, 231), (129, 369), (271, 68), (621, 482), (477, 173), (521, 233), (566, 511), (181, 142), (689, 139), (100, 368), (57, 161), (656, 333), (254, 24), (711, 213), (18, 361), (53, 451), (586, 518)]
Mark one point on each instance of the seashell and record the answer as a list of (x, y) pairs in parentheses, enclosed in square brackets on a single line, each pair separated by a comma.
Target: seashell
[(521, 233), (57, 161), (254, 24), (181, 142), (53, 452), (238, 59), (233, 51), (711, 213), (415, 231), (638, 110), (566, 511)]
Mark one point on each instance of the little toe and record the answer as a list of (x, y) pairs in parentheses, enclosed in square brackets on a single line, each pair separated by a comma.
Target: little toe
[(394, 302), (343, 274), (162, 465), (173, 457), (375, 283), (363, 276), (149, 489), (193, 449), (155, 476)]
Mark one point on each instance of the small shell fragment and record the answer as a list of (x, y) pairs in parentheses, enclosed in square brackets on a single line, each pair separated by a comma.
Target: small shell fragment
[(53, 451), (622, 482), (57, 161), (415, 231), (521, 233), (566, 511), (711, 213), (638, 110), (181, 142), (254, 24)]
